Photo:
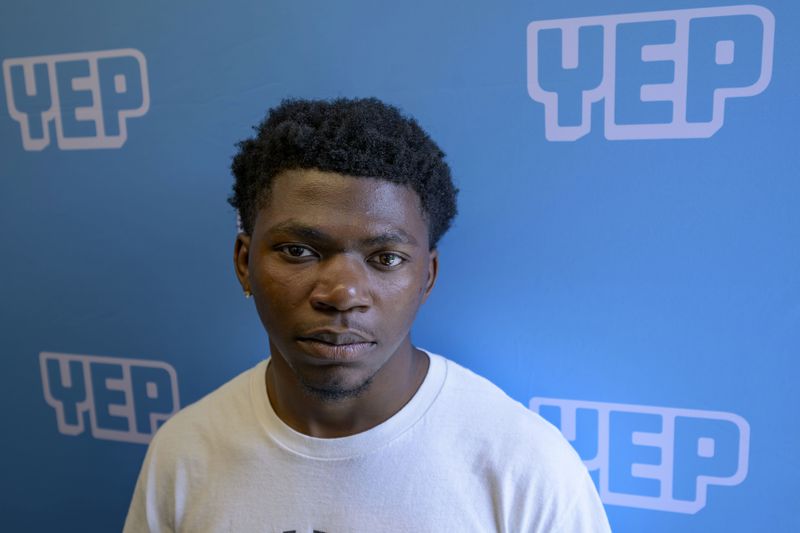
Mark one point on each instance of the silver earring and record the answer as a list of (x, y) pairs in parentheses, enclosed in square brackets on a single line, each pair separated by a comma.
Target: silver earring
[(247, 293)]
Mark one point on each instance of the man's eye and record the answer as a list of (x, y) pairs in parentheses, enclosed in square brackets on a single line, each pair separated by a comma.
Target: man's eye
[(388, 260), (295, 250)]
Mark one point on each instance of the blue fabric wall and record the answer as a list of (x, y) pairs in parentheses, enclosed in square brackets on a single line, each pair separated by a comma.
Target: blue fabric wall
[(625, 262)]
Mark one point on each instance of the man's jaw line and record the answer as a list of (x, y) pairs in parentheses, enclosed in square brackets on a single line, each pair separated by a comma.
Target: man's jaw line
[(327, 399)]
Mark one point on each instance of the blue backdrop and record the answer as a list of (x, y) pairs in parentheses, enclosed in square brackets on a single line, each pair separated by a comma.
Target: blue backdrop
[(625, 261)]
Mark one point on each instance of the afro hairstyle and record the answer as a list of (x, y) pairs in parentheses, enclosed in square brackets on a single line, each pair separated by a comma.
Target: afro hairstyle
[(363, 138)]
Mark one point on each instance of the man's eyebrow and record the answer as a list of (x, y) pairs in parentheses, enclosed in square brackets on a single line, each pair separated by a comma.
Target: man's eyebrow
[(310, 233), (300, 230), (394, 236)]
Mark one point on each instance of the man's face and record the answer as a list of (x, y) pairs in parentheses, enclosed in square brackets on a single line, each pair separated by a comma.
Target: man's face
[(338, 267)]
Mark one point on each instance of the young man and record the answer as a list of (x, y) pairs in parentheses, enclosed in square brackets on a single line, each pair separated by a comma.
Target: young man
[(347, 426)]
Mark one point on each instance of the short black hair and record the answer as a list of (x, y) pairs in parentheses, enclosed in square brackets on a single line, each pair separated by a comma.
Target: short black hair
[(360, 137)]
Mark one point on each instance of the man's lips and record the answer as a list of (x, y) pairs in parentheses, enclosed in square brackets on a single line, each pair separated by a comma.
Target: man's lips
[(336, 345), (337, 337)]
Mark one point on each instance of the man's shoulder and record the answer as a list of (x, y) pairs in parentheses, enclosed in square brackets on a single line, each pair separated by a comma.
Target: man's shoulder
[(215, 414), (482, 398), (503, 424), (539, 474)]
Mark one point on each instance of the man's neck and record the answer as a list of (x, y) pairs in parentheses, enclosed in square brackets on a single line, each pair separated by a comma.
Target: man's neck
[(389, 390)]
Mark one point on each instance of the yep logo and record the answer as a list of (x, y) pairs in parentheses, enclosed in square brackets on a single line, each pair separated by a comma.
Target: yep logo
[(89, 96), (661, 75), (126, 399), (652, 457)]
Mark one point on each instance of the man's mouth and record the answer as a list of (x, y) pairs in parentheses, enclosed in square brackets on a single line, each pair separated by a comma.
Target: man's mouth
[(336, 345)]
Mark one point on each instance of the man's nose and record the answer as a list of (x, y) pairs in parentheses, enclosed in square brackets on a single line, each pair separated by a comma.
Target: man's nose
[(343, 285)]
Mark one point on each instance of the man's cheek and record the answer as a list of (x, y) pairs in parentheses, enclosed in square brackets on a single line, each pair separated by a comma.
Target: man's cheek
[(274, 313), (284, 278)]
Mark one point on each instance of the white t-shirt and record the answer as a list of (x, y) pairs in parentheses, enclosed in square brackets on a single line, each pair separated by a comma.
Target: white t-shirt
[(460, 456)]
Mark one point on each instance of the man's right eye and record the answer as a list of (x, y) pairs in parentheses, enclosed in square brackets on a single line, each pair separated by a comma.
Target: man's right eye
[(296, 250)]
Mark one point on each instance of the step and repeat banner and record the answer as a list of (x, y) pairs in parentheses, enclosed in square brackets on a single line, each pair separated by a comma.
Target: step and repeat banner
[(625, 262)]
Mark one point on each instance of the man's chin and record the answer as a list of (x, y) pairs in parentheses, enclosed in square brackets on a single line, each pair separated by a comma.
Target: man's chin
[(335, 390)]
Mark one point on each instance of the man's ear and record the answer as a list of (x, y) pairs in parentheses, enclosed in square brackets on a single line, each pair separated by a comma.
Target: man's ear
[(433, 272), (241, 257)]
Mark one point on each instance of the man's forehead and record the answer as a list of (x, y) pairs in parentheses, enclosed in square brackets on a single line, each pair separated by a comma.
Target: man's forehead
[(315, 205), (318, 184), (313, 191)]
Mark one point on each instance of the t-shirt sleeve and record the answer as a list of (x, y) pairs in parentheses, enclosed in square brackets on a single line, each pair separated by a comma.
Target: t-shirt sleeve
[(148, 509), (586, 513), (556, 494)]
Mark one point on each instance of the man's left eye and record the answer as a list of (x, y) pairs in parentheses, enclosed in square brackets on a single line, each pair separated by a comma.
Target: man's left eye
[(295, 250), (387, 260)]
